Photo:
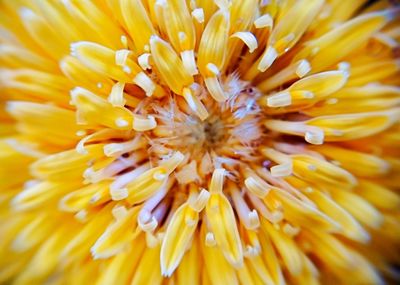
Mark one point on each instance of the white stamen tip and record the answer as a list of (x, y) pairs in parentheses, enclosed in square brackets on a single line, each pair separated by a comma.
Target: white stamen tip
[(282, 170), (81, 215), (303, 68), (198, 14), (81, 133), (279, 100), (159, 176), (119, 212), (120, 122), (344, 66), (119, 194), (267, 59), (124, 41), (312, 167), (121, 56), (315, 137), (189, 61), (210, 239), (213, 68), (126, 69), (143, 81), (264, 21), (248, 38), (332, 101), (144, 61)]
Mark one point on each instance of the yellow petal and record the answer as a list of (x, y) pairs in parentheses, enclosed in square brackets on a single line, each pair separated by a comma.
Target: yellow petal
[(169, 65), (218, 269), (322, 52), (191, 265), (102, 60), (353, 126), (145, 274), (337, 127), (38, 28), (116, 271), (306, 92), (117, 236), (378, 195), (138, 23), (356, 162), (148, 183), (362, 210), (56, 124), (286, 248), (293, 24), (91, 195), (300, 213), (15, 56), (330, 249), (350, 227), (211, 53), (60, 165), (222, 221), (321, 172), (177, 238), (180, 28)]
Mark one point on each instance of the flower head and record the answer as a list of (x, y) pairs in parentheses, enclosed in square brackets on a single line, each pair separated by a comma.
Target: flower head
[(199, 142)]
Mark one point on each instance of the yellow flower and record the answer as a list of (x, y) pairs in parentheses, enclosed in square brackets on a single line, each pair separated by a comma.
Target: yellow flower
[(199, 142)]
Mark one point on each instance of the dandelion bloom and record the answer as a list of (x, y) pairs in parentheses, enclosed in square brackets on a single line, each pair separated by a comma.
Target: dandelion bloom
[(199, 142)]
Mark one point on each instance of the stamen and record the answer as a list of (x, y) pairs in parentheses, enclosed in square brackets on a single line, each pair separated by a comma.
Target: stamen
[(222, 220), (195, 104), (314, 136), (282, 170), (279, 100), (248, 38), (142, 124), (198, 14), (144, 61), (170, 164), (146, 221), (119, 194), (124, 179), (295, 70), (145, 83), (121, 56), (215, 89), (120, 122), (273, 217), (119, 212), (189, 62), (303, 68), (267, 59), (116, 97), (127, 69), (258, 187), (124, 41), (217, 181), (81, 215), (117, 149), (248, 218), (213, 68), (201, 201), (264, 21), (210, 240)]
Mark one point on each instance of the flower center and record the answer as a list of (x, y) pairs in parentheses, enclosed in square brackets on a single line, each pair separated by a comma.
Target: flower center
[(213, 130), (231, 130)]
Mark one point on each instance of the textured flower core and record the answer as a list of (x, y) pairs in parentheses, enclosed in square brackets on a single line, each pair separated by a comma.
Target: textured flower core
[(199, 142)]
